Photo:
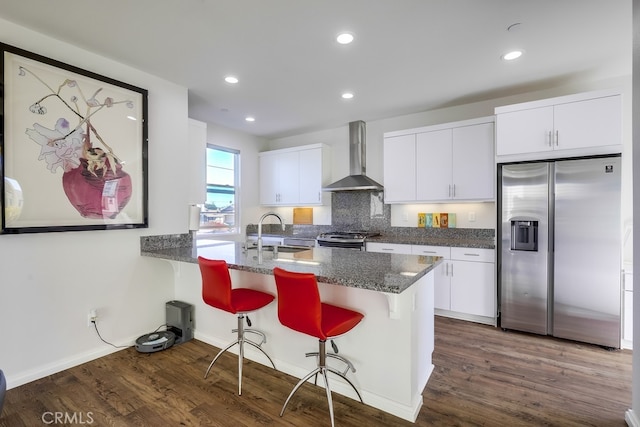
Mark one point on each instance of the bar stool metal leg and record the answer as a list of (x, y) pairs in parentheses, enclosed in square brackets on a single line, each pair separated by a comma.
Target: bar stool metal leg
[(323, 369), (240, 341)]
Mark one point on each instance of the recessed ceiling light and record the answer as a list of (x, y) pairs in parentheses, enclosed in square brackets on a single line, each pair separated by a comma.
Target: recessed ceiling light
[(510, 56), (347, 95), (344, 38), (231, 79), (250, 119)]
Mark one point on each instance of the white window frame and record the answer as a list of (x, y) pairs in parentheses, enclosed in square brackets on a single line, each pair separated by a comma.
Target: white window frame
[(212, 221)]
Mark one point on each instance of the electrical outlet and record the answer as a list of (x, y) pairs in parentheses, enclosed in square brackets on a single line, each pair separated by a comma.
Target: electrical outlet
[(92, 317)]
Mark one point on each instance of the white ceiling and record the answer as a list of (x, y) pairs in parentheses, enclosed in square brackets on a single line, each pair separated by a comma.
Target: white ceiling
[(408, 55)]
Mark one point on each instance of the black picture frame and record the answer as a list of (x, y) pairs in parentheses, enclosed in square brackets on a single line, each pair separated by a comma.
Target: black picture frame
[(73, 148)]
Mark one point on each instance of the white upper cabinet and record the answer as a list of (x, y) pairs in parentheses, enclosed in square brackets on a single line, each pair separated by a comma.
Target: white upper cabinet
[(269, 179), (294, 176), (592, 123), (311, 176), (473, 174), (279, 183), (526, 131), (399, 168), (576, 125), (434, 169), (456, 164), (453, 161)]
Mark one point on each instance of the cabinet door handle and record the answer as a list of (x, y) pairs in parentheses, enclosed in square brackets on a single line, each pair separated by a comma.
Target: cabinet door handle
[(388, 249), (319, 197), (454, 190), (557, 138), (429, 252), (449, 190), (451, 270), (466, 254)]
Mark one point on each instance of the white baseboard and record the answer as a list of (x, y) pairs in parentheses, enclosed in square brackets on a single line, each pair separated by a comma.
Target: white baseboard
[(21, 378), (464, 316), (631, 418), (406, 412)]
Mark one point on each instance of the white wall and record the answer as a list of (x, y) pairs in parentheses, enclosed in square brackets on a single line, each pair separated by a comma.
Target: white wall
[(49, 282)]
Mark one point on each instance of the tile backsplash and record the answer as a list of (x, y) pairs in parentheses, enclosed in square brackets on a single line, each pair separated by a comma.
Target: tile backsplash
[(365, 210), (360, 210)]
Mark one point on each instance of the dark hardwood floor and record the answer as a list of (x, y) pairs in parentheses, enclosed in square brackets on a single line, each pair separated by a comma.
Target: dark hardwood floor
[(483, 377)]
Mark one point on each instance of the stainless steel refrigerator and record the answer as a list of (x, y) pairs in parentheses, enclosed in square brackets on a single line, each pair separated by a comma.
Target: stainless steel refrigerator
[(560, 249)]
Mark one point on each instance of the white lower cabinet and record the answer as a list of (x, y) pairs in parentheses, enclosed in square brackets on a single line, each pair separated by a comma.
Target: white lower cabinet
[(441, 279), (391, 248), (473, 288), (464, 283)]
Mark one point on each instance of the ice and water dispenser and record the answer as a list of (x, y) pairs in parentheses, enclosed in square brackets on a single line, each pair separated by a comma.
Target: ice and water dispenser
[(524, 235)]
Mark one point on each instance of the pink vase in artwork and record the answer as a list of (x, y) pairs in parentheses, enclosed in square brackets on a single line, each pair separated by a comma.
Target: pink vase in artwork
[(97, 193)]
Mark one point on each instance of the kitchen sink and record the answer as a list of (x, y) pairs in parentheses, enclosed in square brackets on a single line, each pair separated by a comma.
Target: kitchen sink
[(288, 249), (283, 248)]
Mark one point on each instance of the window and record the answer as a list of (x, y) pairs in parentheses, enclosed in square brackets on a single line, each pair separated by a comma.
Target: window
[(219, 213)]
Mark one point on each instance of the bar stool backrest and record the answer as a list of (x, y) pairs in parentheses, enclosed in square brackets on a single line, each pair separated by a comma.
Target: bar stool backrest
[(299, 305), (216, 284)]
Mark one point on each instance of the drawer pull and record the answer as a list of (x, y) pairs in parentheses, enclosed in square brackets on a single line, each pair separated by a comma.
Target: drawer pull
[(471, 254)]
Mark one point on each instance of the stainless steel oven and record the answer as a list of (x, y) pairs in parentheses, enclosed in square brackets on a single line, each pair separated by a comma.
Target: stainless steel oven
[(345, 239)]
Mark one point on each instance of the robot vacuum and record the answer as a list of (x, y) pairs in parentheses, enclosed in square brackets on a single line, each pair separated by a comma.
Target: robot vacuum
[(155, 341)]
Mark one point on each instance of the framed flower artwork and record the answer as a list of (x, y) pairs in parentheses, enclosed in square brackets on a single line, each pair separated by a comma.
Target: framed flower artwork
[(73, 148)]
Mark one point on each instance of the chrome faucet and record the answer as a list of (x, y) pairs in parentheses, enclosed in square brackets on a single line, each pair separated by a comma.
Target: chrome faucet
[(260, 228)]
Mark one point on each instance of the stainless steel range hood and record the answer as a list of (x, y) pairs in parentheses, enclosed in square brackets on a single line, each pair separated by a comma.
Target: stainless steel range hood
[(357, 179)]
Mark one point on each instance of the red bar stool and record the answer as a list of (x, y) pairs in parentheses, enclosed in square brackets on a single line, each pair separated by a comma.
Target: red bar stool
[(217, 292), (300, 308)]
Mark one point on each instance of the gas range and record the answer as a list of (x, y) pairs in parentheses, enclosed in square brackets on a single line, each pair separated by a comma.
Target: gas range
[(345, 239)]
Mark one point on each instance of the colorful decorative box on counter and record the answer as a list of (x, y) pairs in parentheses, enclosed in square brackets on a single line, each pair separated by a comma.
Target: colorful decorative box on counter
[(436, 220)]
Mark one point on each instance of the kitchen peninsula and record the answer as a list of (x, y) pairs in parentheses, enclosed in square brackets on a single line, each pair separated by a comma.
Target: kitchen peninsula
[(391, 348)]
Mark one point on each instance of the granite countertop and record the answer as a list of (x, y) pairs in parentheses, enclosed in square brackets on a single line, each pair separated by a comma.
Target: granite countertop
[(383, 272)]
